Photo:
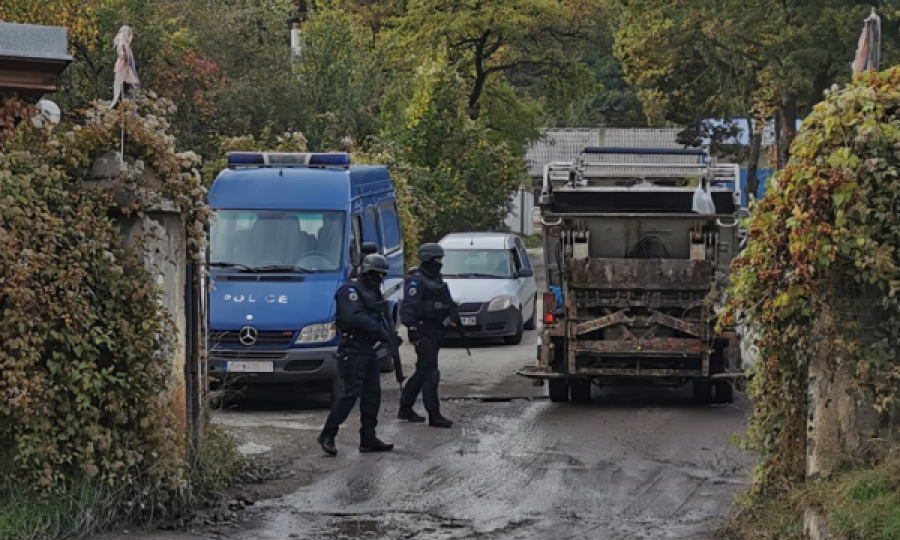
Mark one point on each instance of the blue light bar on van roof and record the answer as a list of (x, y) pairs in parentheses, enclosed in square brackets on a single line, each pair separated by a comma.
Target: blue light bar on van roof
[(288, 159)]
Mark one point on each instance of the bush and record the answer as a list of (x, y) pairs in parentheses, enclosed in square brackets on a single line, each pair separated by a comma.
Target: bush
[(87, 416)]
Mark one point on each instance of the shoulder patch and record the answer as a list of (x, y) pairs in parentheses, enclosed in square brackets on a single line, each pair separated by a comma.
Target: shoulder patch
[(352, 294), (412, 291)]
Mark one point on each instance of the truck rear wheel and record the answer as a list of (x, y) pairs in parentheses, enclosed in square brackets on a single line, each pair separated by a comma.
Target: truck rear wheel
[(724, 392), (580, 390), (702, 391), (559, 390)]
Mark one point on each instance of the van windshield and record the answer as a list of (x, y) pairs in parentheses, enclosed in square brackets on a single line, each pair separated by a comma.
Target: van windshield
[(275, 240), (477, 263)]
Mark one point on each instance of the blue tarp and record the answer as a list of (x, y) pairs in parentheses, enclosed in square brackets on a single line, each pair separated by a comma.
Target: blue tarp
[(763, 175)]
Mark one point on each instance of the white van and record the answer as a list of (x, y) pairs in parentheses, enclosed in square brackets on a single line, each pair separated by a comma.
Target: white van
[(491, 278)]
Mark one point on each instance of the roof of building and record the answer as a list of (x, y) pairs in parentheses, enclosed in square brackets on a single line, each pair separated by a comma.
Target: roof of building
[(33, 41)]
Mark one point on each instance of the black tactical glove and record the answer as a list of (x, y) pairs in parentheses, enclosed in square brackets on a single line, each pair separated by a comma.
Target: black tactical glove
[(414, 334)]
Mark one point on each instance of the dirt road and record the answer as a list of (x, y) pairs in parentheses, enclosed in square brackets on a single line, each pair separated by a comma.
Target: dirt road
[(629, 465)]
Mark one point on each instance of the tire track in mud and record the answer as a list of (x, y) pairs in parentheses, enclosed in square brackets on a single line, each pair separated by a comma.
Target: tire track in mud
[(523, 471)]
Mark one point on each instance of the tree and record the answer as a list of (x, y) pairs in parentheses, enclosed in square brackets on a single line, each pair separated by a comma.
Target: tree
[(459, 175), (699, 58)]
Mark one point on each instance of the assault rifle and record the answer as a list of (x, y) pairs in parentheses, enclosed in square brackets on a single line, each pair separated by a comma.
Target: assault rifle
[(393, 346)]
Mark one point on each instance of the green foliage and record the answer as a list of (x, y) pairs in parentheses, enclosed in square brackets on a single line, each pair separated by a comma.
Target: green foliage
[(862, 502), (825, 232), (265, 142), (86, 369), (458, 175), (867, 505), (80, 510), (533, 241), (692, 59)]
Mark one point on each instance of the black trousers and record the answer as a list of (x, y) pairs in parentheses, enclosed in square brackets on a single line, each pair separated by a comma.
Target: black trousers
[(362, 381), (426, 377)]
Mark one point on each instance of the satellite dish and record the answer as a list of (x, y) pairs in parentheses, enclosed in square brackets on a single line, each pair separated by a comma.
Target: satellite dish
[(48, 112)]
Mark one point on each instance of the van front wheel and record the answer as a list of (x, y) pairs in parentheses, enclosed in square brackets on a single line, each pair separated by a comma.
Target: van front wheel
[(532, 322), (516, 338)]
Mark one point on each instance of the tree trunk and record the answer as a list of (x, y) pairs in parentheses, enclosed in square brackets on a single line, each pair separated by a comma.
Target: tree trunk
[(788, 114), (753, 161), (480, 78)]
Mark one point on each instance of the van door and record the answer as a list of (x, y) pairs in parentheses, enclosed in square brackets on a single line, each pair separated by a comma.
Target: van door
[(355, 242), (393, 249), (527, 285), (370, 228)]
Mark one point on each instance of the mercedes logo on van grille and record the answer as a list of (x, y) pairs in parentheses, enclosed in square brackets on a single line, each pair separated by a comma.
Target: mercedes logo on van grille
[(248, 336)]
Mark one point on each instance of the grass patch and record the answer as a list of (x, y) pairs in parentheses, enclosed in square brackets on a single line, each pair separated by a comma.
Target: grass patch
[(80, 511), (533, 241), (859, 504), (774, 519), (865, 503), (85, 509), (215, 466)]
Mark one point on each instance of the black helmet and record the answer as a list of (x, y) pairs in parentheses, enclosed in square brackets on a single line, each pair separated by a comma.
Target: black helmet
[(430, 251), (374, 263)]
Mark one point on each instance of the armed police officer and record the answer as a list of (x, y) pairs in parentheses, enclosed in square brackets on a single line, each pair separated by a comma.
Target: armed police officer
[(427, 311), (361, 320)]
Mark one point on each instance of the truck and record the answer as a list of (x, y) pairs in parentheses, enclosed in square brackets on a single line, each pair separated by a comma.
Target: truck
[(637, 245)]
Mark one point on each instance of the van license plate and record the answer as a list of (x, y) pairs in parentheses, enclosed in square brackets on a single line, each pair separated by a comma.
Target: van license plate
[(248, 367), (468, 321)]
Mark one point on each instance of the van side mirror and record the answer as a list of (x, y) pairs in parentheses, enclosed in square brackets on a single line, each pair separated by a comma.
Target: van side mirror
[(526, 272), (369, 248)]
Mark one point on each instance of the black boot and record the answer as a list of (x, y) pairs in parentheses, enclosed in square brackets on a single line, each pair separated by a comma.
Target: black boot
[(327, 444), (437, 420), (410, 415), (375, 445)]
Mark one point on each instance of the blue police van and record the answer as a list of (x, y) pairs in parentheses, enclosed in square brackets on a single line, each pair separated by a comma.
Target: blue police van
[(288, 229)]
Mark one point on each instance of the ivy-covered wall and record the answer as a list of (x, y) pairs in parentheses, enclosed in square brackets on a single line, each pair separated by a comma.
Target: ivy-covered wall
[(87, 348), (819, 285)]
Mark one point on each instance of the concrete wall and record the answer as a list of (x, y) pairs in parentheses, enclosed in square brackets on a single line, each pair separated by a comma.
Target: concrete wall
[(519, 219), (165, 257), (163, 231)]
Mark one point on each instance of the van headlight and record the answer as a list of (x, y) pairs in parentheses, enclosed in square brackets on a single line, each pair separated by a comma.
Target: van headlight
[(316, 333), (500, 303)]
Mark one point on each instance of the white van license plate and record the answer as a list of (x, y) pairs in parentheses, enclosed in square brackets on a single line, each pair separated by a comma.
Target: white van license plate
[(468, 321), (248, 367)]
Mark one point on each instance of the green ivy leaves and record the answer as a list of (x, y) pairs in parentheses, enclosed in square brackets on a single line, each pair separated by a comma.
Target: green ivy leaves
[(84, 376), (825, 233)]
